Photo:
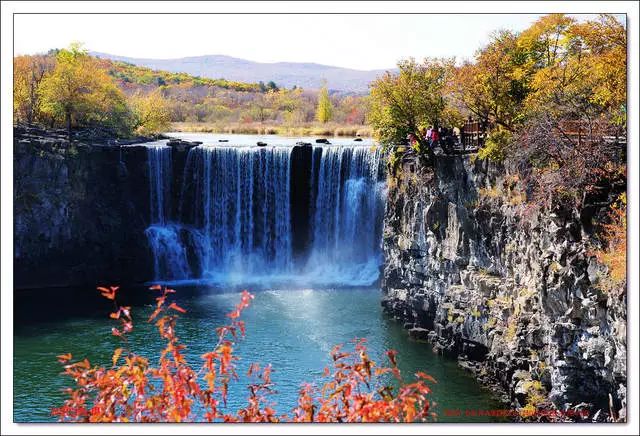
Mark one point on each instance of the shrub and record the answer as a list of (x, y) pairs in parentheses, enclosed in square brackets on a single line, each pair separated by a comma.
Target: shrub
[(496, 145), (614, 255), (132, 389)]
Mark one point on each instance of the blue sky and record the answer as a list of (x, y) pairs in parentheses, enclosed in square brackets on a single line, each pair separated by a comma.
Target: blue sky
[(354, 41)]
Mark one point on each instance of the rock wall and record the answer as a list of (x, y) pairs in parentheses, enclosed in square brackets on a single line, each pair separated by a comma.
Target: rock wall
[(514, 299), (79, 214)]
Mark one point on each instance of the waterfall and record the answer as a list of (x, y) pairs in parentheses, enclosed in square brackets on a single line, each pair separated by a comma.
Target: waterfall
[(234, 217), (347, 214), (169, 255), (240, 214), (159, 163)]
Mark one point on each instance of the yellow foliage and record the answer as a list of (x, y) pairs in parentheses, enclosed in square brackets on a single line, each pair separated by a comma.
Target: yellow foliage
[(403, 102), (324, 111), (490, 192), (527, 411), (28, 72), (151, 113), (495, 148), (79, 91)]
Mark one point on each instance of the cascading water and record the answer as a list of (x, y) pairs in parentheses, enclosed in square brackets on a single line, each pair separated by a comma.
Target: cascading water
[(169, 254), (234, 221), (239, 220), (347, 215), (159, 162)]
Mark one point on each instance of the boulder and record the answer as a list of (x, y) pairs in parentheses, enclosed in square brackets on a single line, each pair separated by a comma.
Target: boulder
[(419, 333), (183, 145)]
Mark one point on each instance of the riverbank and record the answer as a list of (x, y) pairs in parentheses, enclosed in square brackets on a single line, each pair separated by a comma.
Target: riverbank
[(329, 129)]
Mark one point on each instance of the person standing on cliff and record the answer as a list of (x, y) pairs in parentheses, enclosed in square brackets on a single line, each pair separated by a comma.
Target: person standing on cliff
[(435, 137), (427, 136)]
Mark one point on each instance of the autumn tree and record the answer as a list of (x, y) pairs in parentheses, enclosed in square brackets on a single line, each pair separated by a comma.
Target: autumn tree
[(550, 95), (351, 110), (576, 108), (151, 112), (493, 87), (582, 74), (80, 92), (614, 253), (292, 105), (28, 72), (324, 110), (262, 106), (401, 103)]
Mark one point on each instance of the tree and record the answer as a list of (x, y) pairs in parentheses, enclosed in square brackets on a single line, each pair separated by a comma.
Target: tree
[(271, 86), (494, 86), (28, 72), (614, 253), (151, 112), (402, 103), (576, 107), (544, 43), (79, 91), (350, 110), (324, 110), (262, 106), (585, 78)]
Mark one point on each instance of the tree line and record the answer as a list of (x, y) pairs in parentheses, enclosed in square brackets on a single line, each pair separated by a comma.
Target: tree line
[(532, 89), (71, 89), (68, 88)]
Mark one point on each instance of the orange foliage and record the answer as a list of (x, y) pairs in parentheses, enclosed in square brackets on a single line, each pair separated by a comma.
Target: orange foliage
[(614, 256), (133, 390)]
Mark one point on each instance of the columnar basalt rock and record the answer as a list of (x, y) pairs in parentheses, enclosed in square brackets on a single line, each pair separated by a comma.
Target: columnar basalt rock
[(514, 299), (79, 211)]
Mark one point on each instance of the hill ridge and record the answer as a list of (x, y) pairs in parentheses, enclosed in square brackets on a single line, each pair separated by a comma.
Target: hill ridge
[(284, 73)]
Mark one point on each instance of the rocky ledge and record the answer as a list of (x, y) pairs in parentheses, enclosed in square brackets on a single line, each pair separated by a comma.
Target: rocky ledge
[(515, 300), (88, 136)]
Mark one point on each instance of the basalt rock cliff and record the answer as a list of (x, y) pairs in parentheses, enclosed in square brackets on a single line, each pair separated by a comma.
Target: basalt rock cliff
[(79, 211), (513, 295)]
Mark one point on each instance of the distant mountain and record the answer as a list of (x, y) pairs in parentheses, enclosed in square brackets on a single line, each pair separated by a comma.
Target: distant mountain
[(287, 74)]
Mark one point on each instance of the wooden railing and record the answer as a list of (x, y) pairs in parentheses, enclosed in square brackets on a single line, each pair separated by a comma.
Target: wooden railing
[(581, 132), (473, 134)]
